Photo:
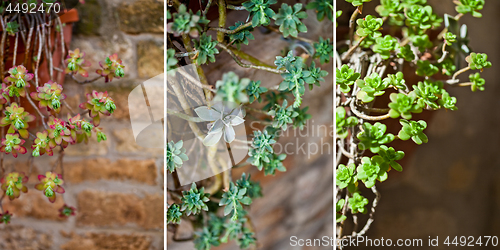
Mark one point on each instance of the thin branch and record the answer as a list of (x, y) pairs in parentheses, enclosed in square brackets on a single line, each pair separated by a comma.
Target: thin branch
[(367, 117), (303, 39), (86, 81), (235, 58), (184, 116), (352, 22), (374, 205), (226, 31), (351, 50)]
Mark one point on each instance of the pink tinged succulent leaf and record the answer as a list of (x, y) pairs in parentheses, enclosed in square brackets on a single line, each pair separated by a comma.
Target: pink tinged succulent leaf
[(24, 133), (58, 140), (22, 150), (59, 189), (14, 153), (52, 199), (24, 189), (96, 120), (29, 118), (40, 177)]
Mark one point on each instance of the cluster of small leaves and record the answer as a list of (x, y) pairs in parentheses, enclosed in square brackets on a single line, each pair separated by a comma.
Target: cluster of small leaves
[(50, 184), (205, 48), (185, 22), (242, 36), (260, 11), (288, 18), (175, 155), (345, 77), (324, 50), (232, 89), (373, 136), (342, 122), (254, 90), (193, 200), (234, 199), (323, 8), (282, 115), (171, 60)]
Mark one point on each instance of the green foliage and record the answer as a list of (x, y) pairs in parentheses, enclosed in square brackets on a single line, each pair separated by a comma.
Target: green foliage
[(233, 199), (338, 209), (288, 19), (175, 155), (428, 93), (260, 11), (205, 239), (450, 38), (395, 80), (282, 62), (421, 42), (384, 46), (357, 2), (421, 17), (345, 77), (425, 68), (282, 115), (342, 122), (447, 101), (185, 22), (373, 136), (12, 28), (206, 49), (413, 130), (357, 203), (477, 82), (478, 61), (470, 6), (242, 36), (294, 80), (324, 50), (403, 105), (301, 119), (193, 200), (261, 147), (174, 214), (371, 87), (171, 60), (231, 89), (345, 175), (372, 169), (390, 155), (388, 7), (253, 188), (369, 26), (406, 53), (337, 15), (254, 90), (275, 163), (323, 8)]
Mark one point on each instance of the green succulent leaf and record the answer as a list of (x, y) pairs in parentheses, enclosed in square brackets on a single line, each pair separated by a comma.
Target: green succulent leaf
[(193, 200), (174, 214), (372, 169), (288, 18), (478, 61), (477, 82), (389, 7), (356, 3), (206, 49), (324, 50), (260, 11), (345, 77), (175, 155), (282, 115), (406, 53), (390, 155), (339, 217), (428, 93), (425, 68), (403, 105), (371, 87), (254, 90), (373, 136), (323, 8), (345, 175), (343, 122), (357, 203), (395, 80), (231, 89), (447, 101), (413, 130), (384, 46), (369, 26), (470, 6)]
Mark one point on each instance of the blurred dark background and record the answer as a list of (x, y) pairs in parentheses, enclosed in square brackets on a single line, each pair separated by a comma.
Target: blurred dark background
[(451, 185)]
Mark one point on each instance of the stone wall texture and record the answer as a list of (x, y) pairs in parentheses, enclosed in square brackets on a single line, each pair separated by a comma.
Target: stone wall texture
[(116, 185)]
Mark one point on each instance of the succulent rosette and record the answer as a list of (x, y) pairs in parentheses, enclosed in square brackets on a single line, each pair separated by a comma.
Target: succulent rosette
[(43, 144), (98, 103), (111, 67), (18, 119), (13, 184), (66, 211), (18, 78), (50, 184), (81, 129), (12, 144), (59, 131), (5, 217), (76, 62), (49, 96)]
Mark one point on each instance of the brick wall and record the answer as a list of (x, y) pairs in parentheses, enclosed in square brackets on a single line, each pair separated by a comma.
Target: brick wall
[(116, 185)]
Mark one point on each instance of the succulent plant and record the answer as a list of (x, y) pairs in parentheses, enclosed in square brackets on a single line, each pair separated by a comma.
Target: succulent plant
[(323, 8), (98, 103), (222, 119), (357, 203), (231, 89), (372, 169), (112, 67), (260, 11), (76, 63), (282, 115), (193, 200), (50, 184), (49, 96), (369, 26), (19, 79), (13, 184), (403, 105), (18, 119), (345, 77), (206, 50), (478, 61), (12, 144), (175, 155), (413, 130), (373, 136), (288, 18)]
